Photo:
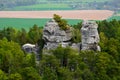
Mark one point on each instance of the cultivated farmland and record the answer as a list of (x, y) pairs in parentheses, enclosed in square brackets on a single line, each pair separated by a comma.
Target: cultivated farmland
[(74, 14), (26, 23), (26, 19)]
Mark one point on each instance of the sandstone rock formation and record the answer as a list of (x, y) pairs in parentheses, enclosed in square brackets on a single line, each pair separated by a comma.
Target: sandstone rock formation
[(90, 36), (54, 36), (31, 48)]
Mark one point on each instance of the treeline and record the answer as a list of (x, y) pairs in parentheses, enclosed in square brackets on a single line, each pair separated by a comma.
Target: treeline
[(5, 4), (74, 5), (62, 63), (22, 36)]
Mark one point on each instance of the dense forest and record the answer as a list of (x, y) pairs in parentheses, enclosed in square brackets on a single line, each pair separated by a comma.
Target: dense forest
[(63, 63), (66, 4)]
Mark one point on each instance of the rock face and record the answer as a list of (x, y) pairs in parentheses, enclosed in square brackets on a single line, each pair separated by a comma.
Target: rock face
[(31, 48), (90, 36), (54, 36)]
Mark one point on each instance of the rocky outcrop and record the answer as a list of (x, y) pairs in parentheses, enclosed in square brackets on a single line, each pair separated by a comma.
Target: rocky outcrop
[(31, 48), (90, 37), (54, 36)]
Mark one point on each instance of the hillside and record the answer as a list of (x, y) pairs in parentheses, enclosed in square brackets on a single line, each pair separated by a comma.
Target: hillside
[(60, 63), (86, 50), (58, 5), (23, 19)]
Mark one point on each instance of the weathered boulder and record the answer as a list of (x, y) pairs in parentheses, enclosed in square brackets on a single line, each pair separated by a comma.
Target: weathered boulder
[(90, 37), (31, 48), (54, 36)]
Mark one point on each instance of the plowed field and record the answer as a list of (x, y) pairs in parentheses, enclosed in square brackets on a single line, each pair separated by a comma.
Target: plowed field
[(74, 14)]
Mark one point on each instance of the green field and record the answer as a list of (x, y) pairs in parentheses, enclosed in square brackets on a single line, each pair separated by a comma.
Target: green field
[(58, 5), (117, 13), (114, 17), (26, 23), (19, 23), (48, 6)]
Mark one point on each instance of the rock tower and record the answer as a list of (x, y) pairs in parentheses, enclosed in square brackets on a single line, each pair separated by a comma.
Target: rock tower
[(90, 37), (54, 36)]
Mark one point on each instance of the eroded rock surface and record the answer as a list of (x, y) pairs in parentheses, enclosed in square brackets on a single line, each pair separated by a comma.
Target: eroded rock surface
[(54, 36), (90, 37), (31, 48)]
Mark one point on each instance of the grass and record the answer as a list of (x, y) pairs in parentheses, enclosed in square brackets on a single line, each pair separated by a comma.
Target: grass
[(114, 17), (117, 13), (56, 5), (49, 6), (26, 23), (19, 23)]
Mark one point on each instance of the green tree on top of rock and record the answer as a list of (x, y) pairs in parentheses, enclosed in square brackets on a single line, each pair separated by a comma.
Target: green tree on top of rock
[(61, 22)]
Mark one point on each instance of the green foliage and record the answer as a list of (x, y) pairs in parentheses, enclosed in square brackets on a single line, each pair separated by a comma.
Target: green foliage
[(63, 54), (109, 35), (109, 28), (76, 36), (48, 66), (29, 60), (9, 33), (87, 75), (103, 41), (22, 36), (64, 74), (60, 63), (29, 73), (34, 34), (61, 22), (11, 56), (49, 74), (15, 76), (3, 75)]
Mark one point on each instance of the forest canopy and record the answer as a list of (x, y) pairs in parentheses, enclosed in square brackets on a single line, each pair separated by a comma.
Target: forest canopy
[(63, 63)]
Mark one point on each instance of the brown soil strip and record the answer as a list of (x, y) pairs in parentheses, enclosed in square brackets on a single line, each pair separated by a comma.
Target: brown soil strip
[(70, 14)]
